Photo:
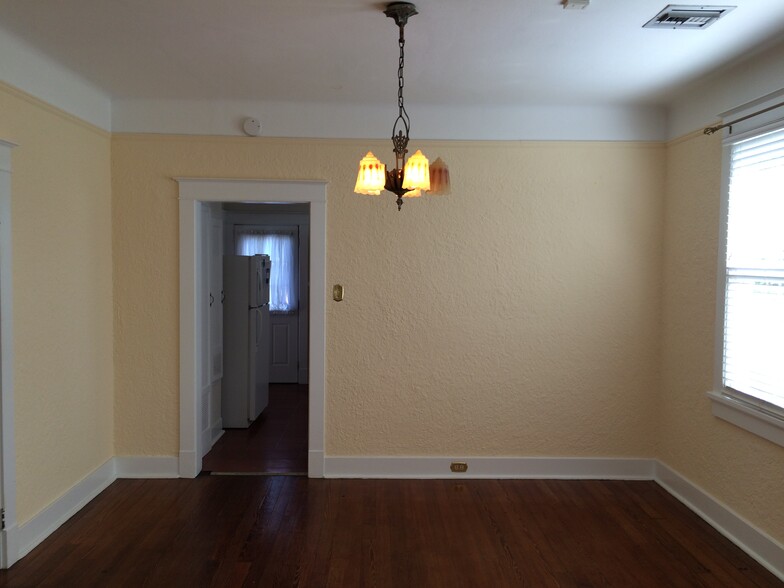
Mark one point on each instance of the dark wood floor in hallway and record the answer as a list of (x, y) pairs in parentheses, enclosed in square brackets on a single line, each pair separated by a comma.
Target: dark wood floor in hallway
[(277, 442), (292, 531)]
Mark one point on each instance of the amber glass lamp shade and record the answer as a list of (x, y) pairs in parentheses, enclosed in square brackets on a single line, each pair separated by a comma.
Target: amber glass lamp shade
[(371, 177), (439, 179), (416, 174)]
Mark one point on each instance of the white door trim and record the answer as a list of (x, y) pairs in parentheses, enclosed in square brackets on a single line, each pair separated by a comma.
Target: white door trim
[(9, 547), (194, 191)]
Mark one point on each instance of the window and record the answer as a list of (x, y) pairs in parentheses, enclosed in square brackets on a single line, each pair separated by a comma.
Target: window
[(751, 303), (281, 246)]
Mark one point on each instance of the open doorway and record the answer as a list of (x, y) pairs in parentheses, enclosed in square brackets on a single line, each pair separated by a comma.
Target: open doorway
[(196, 197), (275, 441)]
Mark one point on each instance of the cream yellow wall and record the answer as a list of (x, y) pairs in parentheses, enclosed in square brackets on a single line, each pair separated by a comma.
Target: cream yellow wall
[(740, 469), (62, 296), (519, 316)]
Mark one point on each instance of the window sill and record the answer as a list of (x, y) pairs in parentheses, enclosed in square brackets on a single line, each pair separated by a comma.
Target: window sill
[(749, 417)]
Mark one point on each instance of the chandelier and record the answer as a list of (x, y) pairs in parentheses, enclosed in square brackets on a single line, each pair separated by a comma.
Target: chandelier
[(416, 176)]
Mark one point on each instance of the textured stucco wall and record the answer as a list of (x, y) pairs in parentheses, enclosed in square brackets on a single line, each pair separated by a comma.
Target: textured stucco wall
[(62, 296), (518, 316), (740, 469)]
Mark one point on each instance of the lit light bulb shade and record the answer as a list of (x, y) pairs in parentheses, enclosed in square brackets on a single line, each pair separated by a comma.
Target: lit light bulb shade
[(439, 179), (416, 175), (371, 177)]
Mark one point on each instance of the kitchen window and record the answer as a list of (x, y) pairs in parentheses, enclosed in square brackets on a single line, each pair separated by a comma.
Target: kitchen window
[(281, 246)]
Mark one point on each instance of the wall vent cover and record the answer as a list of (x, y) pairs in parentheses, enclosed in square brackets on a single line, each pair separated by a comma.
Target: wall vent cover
[(681, 16)]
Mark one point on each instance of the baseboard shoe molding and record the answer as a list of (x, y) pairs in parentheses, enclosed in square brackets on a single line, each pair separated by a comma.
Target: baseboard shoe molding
[(755, 542), (33, 532), (144, 466), (573, 468)]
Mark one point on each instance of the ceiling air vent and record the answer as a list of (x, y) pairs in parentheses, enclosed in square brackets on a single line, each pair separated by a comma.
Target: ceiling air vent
[(680, 16)]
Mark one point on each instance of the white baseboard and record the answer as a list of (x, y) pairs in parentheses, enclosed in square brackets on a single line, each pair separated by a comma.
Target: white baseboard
[(758, 544), (763, 548), (572, 468), (205, 441), (30, 534), (147, 467), (187, 464), (217, 431), (316, 464)]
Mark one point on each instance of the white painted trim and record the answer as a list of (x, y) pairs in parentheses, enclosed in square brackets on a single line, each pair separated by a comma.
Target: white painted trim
[(316, 464), (190, 457), (570, 468), (698, 103), (34, 531), (217, 431), (518, 122), (187, 461), (153, 466), (194, 191), (748, 417), (25, 67), (727, 404), (9, 545), (755, 542), (206, 441)]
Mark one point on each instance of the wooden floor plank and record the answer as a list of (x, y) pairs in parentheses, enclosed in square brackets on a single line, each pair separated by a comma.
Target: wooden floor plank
[(276, 442), (295, 532)]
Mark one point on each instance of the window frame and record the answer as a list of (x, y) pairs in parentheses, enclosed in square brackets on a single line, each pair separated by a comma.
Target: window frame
[(752, 414)]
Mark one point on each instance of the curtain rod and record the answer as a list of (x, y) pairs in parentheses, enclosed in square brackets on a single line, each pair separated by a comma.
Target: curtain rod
[(711, 130)]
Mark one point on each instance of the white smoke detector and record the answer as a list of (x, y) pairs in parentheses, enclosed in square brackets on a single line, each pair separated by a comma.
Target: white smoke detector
[(680, 16), (252, 127)]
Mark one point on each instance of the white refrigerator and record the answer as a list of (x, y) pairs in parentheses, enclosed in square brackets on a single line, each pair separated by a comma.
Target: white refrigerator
[(246, 339)]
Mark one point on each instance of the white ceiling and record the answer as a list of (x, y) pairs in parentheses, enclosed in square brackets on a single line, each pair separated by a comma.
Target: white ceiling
[(458, 52)]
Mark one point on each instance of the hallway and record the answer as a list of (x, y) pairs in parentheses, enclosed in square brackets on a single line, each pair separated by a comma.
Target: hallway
[(276, 443)]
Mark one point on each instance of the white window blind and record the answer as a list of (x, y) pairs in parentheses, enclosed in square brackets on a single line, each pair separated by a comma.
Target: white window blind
[(753, 359), (282, 248)]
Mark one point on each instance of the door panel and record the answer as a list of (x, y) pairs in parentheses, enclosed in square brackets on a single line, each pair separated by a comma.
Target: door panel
[(283, 366)]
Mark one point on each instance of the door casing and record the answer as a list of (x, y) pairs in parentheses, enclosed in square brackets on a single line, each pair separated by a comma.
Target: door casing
[(193, 192), (9, 547)]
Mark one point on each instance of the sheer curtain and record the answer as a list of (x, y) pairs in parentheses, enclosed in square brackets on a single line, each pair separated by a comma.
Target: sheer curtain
[(280, 246)]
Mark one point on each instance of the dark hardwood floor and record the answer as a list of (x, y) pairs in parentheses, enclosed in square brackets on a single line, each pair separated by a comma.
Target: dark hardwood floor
[(277, 442), (291, 531)]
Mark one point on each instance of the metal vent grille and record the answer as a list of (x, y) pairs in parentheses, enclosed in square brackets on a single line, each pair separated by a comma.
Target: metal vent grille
[(687, 17)]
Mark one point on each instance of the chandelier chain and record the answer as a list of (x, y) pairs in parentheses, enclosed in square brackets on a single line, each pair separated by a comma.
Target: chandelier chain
[(400, 135), (400, 79)]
